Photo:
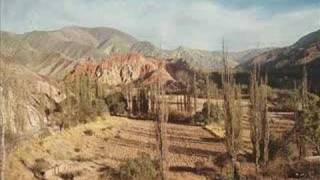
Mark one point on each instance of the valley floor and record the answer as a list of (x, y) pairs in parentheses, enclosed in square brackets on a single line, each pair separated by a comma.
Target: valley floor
[(90, 150)]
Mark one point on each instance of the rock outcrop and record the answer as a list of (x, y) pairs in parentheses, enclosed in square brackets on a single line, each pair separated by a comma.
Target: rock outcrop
[(124, 69), (25, 98)]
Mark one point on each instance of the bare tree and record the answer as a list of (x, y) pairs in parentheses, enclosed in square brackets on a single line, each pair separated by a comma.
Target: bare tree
[(232, 116), (255, 118), (161, 131), (3, 131), (259, 122), (194, 93), (208, 94), (300, 121), (265, 121)]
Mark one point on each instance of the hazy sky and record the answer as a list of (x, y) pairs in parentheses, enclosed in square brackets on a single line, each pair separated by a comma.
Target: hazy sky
[(170, 23)]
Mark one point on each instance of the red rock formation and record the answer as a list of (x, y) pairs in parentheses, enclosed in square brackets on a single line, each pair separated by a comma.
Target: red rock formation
[(123, 69)]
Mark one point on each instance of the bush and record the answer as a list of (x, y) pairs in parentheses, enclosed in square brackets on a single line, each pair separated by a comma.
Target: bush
[(88, 132), (303, 169), (216, 114), (300, 169), (140, 168), (278, 148), (117, 103), (199, 118), (179, 117), (286, 100), (221, 161), (100, 107), (69, 175), (309, 126), (40, 167)]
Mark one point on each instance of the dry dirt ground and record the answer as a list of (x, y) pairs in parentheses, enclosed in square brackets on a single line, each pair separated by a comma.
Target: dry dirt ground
[(114, 141), (280, 123), (92, 149)]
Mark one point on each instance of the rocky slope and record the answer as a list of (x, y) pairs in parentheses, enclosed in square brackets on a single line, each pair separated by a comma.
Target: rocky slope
[(25, 97), (306, 50), (286, 63), (77, 43), (124, 69)]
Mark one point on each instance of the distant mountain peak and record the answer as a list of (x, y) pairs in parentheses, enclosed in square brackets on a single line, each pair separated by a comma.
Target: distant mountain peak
[(77, 42)]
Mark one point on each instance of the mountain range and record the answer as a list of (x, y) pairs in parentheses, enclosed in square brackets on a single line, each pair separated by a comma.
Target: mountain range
[(78, 43), (40, 59), (286, 64)]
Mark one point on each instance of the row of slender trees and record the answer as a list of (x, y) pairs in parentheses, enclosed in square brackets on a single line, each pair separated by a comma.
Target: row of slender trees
[(154, 100), (259, 122)]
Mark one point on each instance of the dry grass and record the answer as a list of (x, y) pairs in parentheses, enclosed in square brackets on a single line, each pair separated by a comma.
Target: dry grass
[(73, 151), (59, 148)]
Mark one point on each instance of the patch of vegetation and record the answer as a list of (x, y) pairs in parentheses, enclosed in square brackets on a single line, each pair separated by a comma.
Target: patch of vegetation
[(140, 168), (88, 132), (99, 106), (69, 175), (116, 103), (286, 100), (80, 158), (300, 169), (278, 148), (44, 133), (303, 169), (209, 114), (179, 117), (77, 150), (39, 168), (309, 128), (221, 161)]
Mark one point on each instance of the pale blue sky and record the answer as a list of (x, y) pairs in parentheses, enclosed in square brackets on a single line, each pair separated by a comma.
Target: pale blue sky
[(170, 23)]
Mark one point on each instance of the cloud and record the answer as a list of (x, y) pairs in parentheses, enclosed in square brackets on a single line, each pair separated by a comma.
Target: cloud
[(193, 23)]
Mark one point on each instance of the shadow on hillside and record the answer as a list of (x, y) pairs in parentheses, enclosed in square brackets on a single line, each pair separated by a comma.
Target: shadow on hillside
[(193, 151), (178, 137)]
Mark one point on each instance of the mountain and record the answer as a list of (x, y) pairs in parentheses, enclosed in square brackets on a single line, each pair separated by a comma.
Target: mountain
[(286, 63), (305, 51), (127, 69), (78, 43)]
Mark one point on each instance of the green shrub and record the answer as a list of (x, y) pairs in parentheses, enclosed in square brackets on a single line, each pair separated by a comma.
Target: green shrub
[(310, 126), (117, 103), (286, 100), (140, 168), (216, 114)]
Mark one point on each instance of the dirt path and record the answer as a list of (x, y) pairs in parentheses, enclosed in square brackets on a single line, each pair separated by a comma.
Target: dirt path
[(113, 141)]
